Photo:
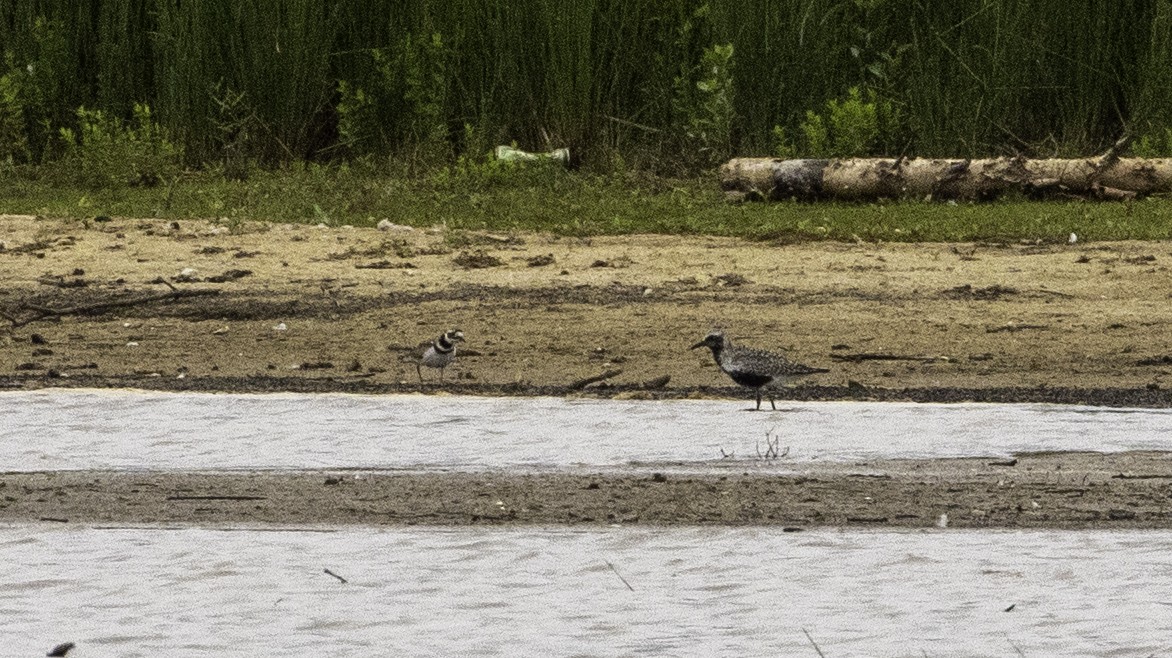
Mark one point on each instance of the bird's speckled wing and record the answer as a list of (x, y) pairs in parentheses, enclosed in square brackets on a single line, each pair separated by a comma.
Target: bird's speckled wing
[(749, 361)]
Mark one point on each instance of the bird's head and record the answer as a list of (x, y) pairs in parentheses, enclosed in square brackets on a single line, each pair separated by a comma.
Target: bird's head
[(455, 335), (714, 341)]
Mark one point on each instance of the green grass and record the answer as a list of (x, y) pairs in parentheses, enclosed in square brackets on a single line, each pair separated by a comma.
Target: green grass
[(567, 203)]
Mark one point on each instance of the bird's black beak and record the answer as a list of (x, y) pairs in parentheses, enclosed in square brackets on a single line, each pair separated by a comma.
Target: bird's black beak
[(700, 344)]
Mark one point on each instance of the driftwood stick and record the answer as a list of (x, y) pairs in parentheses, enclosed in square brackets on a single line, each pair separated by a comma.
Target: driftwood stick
[(616, 572), (48, 312), (814, 644), (216, 497), (583, 383), (164, 282), (1108, 159), (873, 356)]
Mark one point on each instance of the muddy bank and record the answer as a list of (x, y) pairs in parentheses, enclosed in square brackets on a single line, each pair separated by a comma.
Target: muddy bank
[(1146, 397), (194, 306), (1051, 490)]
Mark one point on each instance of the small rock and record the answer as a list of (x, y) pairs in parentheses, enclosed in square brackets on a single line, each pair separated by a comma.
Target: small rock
[(186, 275), (388, 225), (280, 327)]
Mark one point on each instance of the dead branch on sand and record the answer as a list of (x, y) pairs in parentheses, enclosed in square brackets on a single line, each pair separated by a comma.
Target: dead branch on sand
[(44, 312)]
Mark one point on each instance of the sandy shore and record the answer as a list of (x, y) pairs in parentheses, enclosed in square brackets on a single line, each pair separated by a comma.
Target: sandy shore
[(194, 306), (892, 321)]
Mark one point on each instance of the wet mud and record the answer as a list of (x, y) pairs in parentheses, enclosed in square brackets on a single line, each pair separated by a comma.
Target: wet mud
[(1044, 490)]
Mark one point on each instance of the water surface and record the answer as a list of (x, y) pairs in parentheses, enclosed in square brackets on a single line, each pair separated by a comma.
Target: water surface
[(71, 429), (516, 592)]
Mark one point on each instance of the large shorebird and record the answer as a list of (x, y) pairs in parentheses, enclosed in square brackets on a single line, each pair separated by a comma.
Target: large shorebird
[(754, 368)]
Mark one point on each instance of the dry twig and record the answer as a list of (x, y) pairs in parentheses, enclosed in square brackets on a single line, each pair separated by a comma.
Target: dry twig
[(43, 312), (583, 383)]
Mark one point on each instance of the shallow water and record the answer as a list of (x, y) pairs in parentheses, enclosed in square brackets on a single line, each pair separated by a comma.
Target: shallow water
[(70, 429), (477, 592)]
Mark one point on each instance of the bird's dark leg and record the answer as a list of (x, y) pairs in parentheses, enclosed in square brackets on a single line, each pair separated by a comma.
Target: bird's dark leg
[(771, 403), (441, 375), (758, 399), (419, 371)]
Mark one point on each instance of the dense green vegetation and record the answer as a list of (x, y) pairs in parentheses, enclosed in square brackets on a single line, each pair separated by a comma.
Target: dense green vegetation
[(663, 84), (358, 110)]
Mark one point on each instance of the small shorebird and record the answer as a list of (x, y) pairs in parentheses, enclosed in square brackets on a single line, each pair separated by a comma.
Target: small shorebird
[(438, 353), (752, 367)]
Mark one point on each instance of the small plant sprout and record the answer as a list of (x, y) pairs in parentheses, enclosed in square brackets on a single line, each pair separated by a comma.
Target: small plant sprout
[(773, 448)]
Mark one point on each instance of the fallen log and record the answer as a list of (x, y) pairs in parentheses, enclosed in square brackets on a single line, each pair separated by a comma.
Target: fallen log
[(1107, 177)]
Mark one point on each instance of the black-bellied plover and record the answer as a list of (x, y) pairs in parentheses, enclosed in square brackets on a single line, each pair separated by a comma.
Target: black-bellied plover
[(439, 353), (752, 367)]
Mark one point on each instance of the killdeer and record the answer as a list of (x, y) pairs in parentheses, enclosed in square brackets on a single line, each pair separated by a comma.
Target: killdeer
[(439, 353), (752, 367)]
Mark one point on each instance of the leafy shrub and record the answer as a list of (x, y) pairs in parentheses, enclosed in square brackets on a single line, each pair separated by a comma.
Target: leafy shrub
[(33, 93), (1154, 145), (704, 107), (13, 142), (850, 127), (105, 151), (403, 104)]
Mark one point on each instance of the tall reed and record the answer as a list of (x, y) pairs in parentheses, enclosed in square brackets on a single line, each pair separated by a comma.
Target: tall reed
[(612, 79)]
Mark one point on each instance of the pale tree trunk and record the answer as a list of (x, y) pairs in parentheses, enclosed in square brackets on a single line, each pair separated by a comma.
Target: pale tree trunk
[(1107, 177)]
